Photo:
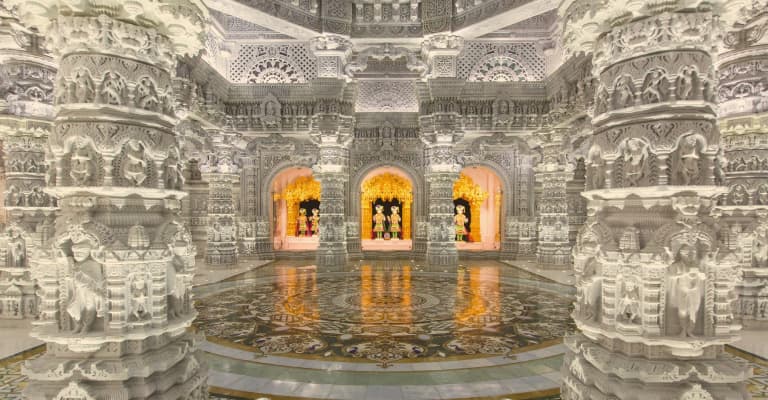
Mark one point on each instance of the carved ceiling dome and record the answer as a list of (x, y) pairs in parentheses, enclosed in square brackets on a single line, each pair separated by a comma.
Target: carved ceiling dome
[(498, 69), (275, 70)]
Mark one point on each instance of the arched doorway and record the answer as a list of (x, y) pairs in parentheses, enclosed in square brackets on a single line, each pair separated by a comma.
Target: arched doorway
[(386, 208), (479, 192), (295, 210)]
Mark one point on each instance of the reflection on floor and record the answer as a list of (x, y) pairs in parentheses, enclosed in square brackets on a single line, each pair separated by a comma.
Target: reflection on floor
[(386, 330), (386, 245)]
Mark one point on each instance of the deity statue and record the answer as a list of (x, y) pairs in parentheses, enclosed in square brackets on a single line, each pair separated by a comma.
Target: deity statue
[(590, 290), (302, 227), (685, 83), (379, 220), (315, 221), (215, 233), (460, 220), (85, 287), (16, 257), (134, 166), (13, 197), (394, 222), (652, 90), (635, 157), (81, 164), (595, 168), (686, 287)]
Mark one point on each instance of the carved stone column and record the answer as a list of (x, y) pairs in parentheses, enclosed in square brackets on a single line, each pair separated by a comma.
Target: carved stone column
[(195, 206), (30, 214), (222, 173), (115, 284), (440, 134), (744, 127), (332, 132), (553, 172), (26, 108), (654, 284)]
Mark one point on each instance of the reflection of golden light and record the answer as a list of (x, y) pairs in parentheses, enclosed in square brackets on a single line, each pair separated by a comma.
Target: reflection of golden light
[(298, 293), (482, 304), (385, 295)]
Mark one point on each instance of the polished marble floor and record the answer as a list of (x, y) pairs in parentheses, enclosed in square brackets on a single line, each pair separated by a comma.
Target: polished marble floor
[(389, 330)]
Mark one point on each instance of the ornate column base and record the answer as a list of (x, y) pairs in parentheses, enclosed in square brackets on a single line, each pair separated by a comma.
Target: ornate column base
[(591, 371), (163, 367), (221, 253), (554, 254), (442, 254)]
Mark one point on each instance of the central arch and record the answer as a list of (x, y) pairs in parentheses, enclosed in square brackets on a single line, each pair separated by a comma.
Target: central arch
[(390, 184)]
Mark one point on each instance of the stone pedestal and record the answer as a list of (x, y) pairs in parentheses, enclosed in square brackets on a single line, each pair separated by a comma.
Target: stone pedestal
[(115, 283), (654, 284)]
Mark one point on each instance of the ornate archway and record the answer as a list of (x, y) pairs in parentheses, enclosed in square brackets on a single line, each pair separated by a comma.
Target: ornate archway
[(465, 188), (387, 187), (301, 189)]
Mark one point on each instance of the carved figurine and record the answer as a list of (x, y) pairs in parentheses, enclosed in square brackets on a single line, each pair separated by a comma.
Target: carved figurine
[(138, 289), (379, 220), (591, 290), (174, 177), (394, 222), (460, 221), (689, 160), (652, 90), (629, 303), (85, 286), (685, 289), (760, 247), (635, 158), (315, 221), (302, 226), (595, 168), (685, 83), (84, 92), (739, 196), (175, 287), (81, 165), (134, 166), (16, 257), (625, 93)]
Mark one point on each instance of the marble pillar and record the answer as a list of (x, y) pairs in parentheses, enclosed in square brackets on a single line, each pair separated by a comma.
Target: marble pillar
[(553, 173), (332, 133), (30, 215), (195, 206), (115, 283), (440, 134), (654, 286), (743, 102), (222, 174)]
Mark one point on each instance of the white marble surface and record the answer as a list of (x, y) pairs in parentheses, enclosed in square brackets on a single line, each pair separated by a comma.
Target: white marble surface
[(206, 274), (754, 341), (15, 334), (562, 276)]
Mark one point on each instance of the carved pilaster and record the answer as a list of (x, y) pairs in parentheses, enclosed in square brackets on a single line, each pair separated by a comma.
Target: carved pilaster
[(332, 52), (222, 174), (553, 173), (332, 133), (441, 54), (115, 281), (439, 134), (654, 283)]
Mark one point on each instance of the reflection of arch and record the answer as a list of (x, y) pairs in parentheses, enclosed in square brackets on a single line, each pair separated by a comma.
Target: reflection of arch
[(301, 189), (386, 186), (465, 188)]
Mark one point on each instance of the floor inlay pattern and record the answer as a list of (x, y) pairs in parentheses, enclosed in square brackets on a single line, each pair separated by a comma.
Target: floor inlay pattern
[(386, 314)]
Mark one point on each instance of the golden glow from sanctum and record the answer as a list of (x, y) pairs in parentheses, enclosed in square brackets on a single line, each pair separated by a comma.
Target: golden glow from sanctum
[(465, 188), (301, 189), (386, 186)]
